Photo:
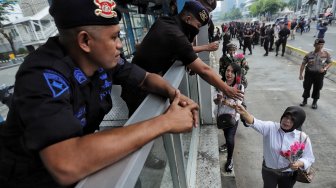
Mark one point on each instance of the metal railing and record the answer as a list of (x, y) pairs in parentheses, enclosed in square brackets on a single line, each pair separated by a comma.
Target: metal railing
[(125, 173)]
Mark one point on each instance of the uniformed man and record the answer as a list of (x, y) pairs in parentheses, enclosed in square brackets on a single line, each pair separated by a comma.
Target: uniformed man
[(315, 63), (62, 93), (266, 39), (248, 34), (271, 36), (169, 39), (262, 34), (282, 40)]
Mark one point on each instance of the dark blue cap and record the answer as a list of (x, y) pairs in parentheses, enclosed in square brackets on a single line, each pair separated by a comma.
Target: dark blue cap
[(198, 10), (75, 13)]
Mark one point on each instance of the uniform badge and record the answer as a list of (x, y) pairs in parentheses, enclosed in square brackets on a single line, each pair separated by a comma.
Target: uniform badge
[(203, 15), (105, 8), (79, 75), (56, 83)]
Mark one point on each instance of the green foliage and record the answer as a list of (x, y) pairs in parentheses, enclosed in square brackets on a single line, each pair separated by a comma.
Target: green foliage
[(4, 5), (266, 6), (234, 14), (292, 4), (22, 51)]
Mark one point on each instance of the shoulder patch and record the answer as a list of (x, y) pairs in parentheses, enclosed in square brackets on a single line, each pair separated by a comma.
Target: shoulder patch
[(56, 83), (79, 75)]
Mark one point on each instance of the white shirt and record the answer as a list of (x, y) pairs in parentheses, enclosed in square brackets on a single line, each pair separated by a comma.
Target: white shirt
[(224, 109), (276, 140)]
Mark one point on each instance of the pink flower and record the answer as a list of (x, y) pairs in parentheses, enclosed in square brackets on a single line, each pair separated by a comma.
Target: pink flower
[(302, 146), (287, 153), (238, 79), (239, 56)]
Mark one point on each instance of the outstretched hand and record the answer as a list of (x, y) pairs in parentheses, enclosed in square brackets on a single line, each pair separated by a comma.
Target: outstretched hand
[(181, 114), (213, 46), (234, 93)]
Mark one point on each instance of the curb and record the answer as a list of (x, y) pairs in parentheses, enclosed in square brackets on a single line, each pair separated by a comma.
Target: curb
[(10, 66), (296, 55)]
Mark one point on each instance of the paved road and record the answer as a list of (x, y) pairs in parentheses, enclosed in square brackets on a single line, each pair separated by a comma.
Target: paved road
[(306, 40), (7, 77), (273, 86)]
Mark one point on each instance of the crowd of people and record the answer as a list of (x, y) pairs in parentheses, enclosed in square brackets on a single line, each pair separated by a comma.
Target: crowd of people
[(63, 91)]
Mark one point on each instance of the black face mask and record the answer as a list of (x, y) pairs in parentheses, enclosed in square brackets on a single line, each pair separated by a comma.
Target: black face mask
[(189, 30)]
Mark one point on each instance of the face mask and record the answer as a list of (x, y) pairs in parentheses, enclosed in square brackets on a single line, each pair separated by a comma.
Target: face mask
[(190, 31)]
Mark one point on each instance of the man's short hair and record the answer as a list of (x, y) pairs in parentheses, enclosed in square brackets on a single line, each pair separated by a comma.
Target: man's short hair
[(74, 13), (198, 11), (319, 41)]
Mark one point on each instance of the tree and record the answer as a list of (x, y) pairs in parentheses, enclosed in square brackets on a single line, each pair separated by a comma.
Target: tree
[(266, 6), (233, 14), (292, 4), (272, 6), (4, 6)]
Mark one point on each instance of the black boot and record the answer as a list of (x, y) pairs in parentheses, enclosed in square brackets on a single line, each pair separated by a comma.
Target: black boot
[(304, 102), (314, 105)]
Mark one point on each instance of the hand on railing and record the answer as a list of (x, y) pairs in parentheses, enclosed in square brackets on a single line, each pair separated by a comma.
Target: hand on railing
[(181, 115)]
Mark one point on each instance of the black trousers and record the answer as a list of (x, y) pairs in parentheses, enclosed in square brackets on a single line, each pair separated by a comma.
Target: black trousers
[(266, 44), (262, 39), (314, 79), (247, 44), (271, 43), (229, 134), (241, 43), (283, 43), (281, 179)]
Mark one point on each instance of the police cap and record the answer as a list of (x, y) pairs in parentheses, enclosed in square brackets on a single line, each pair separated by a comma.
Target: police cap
[(74, 13), (198, 10)]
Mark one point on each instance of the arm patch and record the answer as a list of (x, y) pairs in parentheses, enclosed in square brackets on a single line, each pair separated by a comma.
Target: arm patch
[(57, 84)]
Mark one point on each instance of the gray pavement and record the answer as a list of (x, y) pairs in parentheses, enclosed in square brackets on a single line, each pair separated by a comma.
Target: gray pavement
[(273, 86), (306, 40)]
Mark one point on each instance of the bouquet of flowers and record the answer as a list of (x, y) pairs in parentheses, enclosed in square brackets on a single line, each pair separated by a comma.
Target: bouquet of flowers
[(240, 56), (295, 152), (241, 60)]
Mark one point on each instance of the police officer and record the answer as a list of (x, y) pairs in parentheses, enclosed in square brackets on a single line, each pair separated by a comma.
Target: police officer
[(283, 35), (262, 34), (267, 39), (62, 93), (169, 39), (248, 34), (315, 63), (271, 37)]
